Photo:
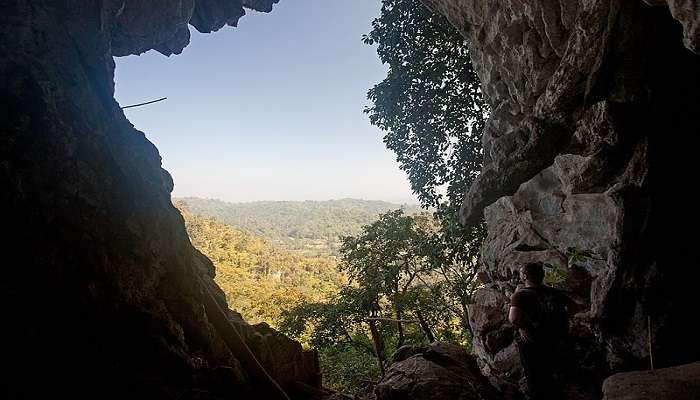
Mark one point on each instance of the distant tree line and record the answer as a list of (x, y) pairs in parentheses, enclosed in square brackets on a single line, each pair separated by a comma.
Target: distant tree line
[(312, 227)]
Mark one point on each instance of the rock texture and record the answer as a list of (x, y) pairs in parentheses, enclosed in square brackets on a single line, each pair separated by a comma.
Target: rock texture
[(439, 371), (102, 294), (594, 112), (676, 383)]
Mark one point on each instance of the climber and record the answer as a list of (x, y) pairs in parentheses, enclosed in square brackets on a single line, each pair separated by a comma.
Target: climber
[(540, 313)]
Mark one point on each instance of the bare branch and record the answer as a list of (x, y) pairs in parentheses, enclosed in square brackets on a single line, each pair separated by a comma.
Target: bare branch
[(143, 104), (410, 321)]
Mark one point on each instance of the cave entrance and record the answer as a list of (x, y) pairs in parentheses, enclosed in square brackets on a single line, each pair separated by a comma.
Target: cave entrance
[(263, 125), (263, 130)]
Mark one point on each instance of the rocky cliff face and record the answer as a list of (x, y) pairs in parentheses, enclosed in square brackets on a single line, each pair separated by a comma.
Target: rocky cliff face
[(587, 153), (102, 294)]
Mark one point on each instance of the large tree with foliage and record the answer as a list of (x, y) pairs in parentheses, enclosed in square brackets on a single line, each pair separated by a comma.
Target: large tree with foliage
[(386, 259), (430, 105), (432, 111), (391, 299)]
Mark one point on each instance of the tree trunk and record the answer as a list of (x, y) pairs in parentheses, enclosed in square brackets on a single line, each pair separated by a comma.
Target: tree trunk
[(424, 325), (378, 345), (465, 320), (397, 307), (399, 325)]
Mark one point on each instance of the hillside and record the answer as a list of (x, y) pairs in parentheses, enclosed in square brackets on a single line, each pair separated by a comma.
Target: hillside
[(259, 279), (313, 227)]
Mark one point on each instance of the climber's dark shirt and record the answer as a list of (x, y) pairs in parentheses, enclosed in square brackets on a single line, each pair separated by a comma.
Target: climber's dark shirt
[(545, 307)]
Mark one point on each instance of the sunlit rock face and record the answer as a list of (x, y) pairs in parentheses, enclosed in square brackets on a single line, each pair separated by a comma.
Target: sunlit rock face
[(102, 294), (589, 149)]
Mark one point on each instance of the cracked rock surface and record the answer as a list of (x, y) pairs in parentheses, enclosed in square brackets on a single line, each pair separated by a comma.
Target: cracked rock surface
[(103, 295), (588, 151)]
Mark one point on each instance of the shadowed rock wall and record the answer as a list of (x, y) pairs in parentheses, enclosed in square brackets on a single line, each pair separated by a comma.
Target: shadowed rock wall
[(102, 293), (589, 147)]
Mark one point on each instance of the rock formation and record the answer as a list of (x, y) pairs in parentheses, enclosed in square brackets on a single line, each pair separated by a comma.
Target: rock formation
[(677, 383), (588, 151), (439, 371), (102, 294), (586, 154)]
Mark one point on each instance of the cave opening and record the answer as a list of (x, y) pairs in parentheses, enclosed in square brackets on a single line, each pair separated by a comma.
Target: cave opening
[(271, 155), (106, 296)]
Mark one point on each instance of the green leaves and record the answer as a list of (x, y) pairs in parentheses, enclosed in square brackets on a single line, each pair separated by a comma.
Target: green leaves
[(430, 104), (432, 110), (575, 255)]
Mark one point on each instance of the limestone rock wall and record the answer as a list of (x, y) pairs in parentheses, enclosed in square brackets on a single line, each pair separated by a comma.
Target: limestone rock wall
[(102, 293), (589, 149)]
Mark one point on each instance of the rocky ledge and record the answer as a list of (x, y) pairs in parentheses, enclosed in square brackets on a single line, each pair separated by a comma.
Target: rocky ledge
[(676, 383), (438, 371)]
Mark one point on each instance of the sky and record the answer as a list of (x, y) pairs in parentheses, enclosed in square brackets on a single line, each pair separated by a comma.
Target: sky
[(271, 110)]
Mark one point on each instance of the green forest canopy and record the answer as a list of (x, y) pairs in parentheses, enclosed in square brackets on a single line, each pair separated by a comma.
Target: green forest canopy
[(260, 280), (314, 227)]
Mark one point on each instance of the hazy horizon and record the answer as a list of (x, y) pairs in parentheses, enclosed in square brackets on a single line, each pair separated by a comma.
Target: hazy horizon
[(409, 202), (271, 110)]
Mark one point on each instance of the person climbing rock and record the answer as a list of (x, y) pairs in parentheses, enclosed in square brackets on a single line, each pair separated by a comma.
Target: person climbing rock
[(540, 312)]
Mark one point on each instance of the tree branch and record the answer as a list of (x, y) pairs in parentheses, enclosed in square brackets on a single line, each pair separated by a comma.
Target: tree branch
[(410, 321), (143, 104)]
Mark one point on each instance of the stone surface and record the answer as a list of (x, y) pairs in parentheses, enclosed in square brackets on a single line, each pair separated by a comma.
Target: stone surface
[(103, 295), (439, 371), (588, 147), (674, 383), (138, 26)]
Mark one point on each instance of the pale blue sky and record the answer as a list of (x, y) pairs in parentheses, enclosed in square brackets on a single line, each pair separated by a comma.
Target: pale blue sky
[(271, 110)]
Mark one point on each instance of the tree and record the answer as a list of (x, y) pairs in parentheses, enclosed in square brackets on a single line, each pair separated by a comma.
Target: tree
[(385, 259), (390, 300), (339, 329), (430, 104), (432, 111)]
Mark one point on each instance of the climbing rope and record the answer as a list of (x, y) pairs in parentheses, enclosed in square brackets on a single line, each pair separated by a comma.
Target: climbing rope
[(235, 342)]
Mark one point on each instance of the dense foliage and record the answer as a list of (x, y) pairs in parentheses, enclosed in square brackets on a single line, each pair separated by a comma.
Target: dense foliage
[(314, 227), (397, 295), (412, 277), (260, 280), (432, 111), (430, 105)]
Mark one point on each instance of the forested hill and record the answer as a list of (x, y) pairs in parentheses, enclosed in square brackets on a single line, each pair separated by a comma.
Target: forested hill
[(260, 280), (311, 226)]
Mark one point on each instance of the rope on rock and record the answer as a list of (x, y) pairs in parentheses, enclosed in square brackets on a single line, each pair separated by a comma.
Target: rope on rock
[(235, 342)]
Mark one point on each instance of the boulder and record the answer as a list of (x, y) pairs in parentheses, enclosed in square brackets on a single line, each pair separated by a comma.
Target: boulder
[(673, 383), (436, 372)]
